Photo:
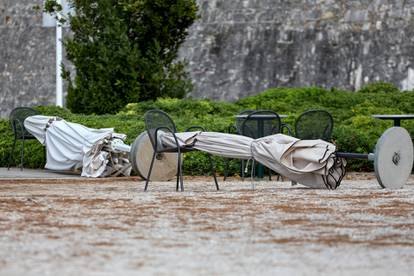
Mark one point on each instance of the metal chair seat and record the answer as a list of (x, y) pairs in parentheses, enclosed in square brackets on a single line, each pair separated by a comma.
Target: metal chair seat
[(16, 119), (156, 120)]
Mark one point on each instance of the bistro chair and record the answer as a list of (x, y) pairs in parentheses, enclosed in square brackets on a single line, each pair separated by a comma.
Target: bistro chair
[(240, 118), (16, 119), (156, 121), (234, 128), (314, 124)]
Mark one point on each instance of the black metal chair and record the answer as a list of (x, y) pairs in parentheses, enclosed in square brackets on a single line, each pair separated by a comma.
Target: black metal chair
[(314, 124), (240, 118), (16, 119), (156, 121)]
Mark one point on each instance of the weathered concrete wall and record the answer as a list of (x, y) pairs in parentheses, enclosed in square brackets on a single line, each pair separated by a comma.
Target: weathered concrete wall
[(239, 48), (27, 56)]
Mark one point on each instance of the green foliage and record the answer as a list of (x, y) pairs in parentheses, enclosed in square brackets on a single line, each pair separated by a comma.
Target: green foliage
[(354, 130), (55, 111), (215, 116), (125, 51), (379, 86)]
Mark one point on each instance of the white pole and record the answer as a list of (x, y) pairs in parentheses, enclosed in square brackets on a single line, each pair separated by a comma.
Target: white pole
[(59, 88)]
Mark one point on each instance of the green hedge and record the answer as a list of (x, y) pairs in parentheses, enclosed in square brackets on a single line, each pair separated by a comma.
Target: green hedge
[(354, 131)]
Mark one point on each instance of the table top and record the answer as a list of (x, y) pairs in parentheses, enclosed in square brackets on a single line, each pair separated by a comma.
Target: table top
[(393, 116), (261, 116)]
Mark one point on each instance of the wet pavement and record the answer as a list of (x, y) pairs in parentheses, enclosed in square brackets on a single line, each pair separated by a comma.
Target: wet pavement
[(17, 173), (114, 228)]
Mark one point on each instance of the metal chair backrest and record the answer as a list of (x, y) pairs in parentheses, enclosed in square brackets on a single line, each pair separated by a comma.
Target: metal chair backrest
[(261, 123), (240, 120), (157, 119), (314, 124), (17, 117)]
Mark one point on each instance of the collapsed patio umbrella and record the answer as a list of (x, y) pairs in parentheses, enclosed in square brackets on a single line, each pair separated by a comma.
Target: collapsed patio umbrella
[(71, 146), (310, 162)]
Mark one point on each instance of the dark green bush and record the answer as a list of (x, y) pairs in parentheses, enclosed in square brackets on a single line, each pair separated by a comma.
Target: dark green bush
[(125, 51), (379, 86), (354, 131)]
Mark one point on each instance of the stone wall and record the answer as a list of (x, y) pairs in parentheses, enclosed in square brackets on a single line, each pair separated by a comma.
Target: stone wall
[(240, 48), (27, 56)]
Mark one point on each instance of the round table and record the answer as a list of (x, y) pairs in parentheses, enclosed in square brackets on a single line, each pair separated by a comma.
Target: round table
[(396, 117), (261, 116)]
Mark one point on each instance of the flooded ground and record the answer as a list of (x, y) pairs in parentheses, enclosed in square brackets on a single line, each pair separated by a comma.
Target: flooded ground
[(114, 228)]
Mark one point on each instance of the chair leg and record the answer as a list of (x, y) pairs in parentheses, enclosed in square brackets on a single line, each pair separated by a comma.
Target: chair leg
[(270, 174), (226, 168), (178, 180), (149, 172), (253, 174), (177, 187), (180, 172), (242, 170), (22, 155), (44, 154), (11, 153), (213, 171), (254, 168)]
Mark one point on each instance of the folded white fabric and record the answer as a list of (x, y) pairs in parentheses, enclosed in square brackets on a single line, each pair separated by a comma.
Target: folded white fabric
[(71, 146), (309, 162)]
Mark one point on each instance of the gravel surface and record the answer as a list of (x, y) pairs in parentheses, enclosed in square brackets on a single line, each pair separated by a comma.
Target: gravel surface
[(114, 228)]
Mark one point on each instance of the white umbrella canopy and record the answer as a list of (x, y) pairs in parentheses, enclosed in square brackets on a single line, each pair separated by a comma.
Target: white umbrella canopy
[(70, 146), (310, 162), (216, 143)]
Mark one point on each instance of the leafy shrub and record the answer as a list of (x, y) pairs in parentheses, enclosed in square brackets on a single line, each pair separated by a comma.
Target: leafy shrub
[(354, 130), (379, 86), (215, 116)]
